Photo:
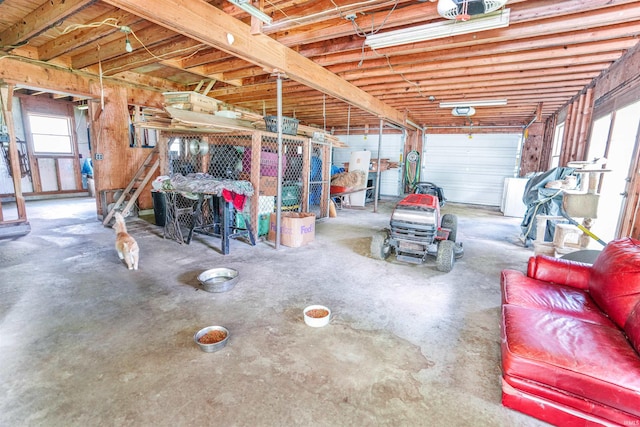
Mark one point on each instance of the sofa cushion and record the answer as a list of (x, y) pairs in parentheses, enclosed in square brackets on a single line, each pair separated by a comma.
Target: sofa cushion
[(585, 359), (518, 289), (632, 327), (615, 279), (560, 408), (558, 270)]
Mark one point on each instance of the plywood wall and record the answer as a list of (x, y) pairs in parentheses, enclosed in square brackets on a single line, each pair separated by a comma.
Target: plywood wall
[(114, 161), (531, 159)]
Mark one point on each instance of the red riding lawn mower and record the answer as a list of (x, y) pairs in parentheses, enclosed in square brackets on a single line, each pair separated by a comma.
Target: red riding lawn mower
[(417, 230)]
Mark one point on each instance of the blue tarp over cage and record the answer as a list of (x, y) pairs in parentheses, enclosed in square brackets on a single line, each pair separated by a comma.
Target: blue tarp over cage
[(315, 194), (543, 201)]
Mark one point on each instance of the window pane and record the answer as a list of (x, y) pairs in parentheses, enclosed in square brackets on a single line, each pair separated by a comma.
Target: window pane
[(557, 143), (599, 136), (51, 144), (623, 140), (49, 125), (50, 134)]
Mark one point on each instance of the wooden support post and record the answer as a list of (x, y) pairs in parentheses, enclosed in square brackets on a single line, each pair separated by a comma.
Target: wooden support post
[(6, 93), (254, 177), (306, 175)]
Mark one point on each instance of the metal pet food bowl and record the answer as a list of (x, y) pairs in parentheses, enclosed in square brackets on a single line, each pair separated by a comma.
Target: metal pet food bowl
[(218, 279), (311, 314), (210, 348)]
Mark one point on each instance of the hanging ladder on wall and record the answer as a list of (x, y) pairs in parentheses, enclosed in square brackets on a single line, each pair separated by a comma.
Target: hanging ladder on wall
[(139, 181)]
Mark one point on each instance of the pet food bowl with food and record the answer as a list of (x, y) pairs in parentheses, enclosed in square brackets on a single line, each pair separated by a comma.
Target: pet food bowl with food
[(218, 279), (211, 338), (317, 316)]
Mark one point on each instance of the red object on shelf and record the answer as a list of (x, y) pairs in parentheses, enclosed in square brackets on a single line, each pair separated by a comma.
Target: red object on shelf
[(335, 189)]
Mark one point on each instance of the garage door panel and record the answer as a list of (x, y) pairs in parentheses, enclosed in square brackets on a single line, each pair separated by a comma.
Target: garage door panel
[(471, 170)]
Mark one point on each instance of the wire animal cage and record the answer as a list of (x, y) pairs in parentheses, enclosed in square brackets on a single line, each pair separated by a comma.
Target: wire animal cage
[(253, 156)]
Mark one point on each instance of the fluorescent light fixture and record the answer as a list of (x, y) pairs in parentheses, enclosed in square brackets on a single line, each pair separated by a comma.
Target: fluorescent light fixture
[(252, 10), (474, 103), (489, 21)]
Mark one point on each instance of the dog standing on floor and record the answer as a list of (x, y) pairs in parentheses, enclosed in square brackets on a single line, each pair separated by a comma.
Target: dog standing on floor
[(126, 246)]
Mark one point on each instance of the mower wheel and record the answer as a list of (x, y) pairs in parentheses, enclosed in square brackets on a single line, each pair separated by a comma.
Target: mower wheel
[(450, 221), (445, 256), (380, 248)]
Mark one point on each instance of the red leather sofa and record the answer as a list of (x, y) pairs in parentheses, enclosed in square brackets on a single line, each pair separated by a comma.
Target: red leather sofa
[(571, 338)]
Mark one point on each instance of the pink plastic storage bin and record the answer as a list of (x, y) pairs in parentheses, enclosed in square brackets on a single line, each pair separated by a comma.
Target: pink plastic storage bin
[(268, 163)]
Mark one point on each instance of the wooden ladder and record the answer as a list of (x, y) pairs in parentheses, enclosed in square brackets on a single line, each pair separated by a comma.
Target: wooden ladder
[(141, 178)]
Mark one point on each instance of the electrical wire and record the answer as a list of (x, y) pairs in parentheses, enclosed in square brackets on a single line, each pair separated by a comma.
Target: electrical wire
[(402, 76), (363, 34), (337, 9), (112, 22)]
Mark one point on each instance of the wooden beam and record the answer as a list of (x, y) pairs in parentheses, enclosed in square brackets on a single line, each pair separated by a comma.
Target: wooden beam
[(6, 95), (149, 34), (422, 76), (539, 112), (53, 79), (40, 20), (606, 39), (194, 19), (72, 40), (535, 59), (176, 46)]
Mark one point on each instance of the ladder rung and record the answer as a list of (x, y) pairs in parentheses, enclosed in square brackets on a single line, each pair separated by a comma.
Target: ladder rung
[(152, 161)]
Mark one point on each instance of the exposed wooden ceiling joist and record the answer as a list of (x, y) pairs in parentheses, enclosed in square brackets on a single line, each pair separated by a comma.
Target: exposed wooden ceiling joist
[(550, 52), (41, 19), (194, 19)]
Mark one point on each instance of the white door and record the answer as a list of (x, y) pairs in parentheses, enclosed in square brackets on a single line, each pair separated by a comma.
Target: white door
[(471, 170), (619, 155)]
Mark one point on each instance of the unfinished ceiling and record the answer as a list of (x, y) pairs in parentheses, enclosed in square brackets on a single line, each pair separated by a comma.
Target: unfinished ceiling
[(550, 51)]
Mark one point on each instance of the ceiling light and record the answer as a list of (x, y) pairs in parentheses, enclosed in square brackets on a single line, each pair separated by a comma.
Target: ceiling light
[(476, 103), (499, 19), (463, 111), (464, 9), (252, 10), (127, 45)]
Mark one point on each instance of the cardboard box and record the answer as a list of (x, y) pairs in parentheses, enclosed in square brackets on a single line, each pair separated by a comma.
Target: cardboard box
[(268, 186), (296, 229)]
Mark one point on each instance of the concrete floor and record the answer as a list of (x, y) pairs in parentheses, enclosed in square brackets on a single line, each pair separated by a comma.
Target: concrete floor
[(86, 342)]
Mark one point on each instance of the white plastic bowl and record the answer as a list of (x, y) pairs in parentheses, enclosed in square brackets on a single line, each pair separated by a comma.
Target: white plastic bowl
[(317, 322)]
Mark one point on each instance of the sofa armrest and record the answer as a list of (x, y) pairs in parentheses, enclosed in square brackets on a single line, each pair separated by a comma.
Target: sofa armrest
[(561, 271)]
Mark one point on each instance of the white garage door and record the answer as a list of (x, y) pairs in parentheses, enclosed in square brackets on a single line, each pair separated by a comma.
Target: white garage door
[(471, 170)]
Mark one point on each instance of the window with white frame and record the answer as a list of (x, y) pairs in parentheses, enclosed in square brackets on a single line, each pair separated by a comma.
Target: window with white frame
[(51, 134), (557, 146), (599, 137)]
